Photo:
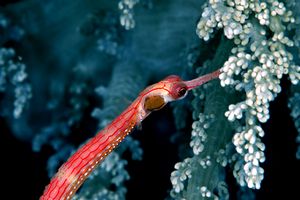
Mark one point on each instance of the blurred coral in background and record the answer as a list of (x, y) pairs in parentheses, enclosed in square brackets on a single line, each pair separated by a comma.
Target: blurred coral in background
[(67, 68)]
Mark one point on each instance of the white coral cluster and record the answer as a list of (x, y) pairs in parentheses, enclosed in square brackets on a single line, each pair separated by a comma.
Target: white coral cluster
[(13, 73), (258, 62), (181, 174), (249, 145), (205, 192), (184, 169), (116, 166), (126, 18), (199, 132)]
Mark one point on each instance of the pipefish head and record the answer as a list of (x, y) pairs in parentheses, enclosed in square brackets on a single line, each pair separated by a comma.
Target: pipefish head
[(169, 89), (172, 88)]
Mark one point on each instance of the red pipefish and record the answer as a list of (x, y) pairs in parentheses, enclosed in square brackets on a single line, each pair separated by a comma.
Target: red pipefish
[(76, 169)]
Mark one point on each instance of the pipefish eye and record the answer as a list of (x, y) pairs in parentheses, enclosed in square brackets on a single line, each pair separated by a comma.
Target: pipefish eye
[(181, 91)]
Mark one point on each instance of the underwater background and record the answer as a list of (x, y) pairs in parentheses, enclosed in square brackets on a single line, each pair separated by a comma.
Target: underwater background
[(67, 68)]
